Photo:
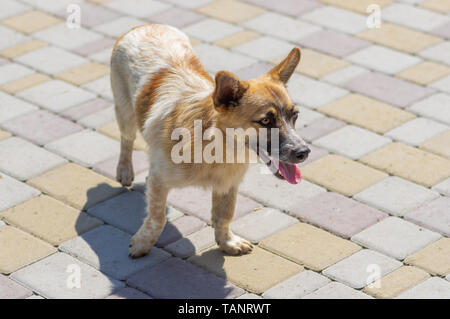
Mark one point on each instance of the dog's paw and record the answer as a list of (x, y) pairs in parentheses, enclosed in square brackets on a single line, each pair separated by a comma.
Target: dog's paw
[(236, 246), (125, 174), (139, 246)]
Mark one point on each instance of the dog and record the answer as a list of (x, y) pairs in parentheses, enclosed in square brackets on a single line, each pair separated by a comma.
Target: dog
[(160, 85)]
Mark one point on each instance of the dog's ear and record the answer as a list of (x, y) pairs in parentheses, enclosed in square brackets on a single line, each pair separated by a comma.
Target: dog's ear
[(229, 90), (283, 71)]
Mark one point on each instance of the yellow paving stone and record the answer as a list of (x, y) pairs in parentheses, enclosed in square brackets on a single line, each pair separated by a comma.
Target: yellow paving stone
[(112, 130), (357, 5), (309, 246), (4, 135), (22, 48), (77, 186), (255, 272), (50, 219), (194, 41), (434, 258), (231, 10), (84, 73), (439, 144), (31, 21), (342, 175), (367, 112), (25, 83), (396, 282), (400, 38), (237, 39), (436, 5), (19, 249), (424, 73), (410, 163)]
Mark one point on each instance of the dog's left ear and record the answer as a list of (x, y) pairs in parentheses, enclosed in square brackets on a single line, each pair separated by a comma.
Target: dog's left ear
[(229, 90), (283, 71)]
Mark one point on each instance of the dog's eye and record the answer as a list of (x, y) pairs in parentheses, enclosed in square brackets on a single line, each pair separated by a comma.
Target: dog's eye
[(295, 117), (265, 121)]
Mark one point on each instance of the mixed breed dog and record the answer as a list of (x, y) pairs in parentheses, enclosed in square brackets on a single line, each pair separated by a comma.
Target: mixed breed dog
[(159, 86)]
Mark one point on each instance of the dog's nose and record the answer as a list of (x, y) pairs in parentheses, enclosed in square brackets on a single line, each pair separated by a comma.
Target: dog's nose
[(302, 153)]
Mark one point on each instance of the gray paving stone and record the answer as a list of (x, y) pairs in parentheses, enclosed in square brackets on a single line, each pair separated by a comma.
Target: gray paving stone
[(436, 107), (442, 84), (258, 48), (193, 243), (62, 36), (417, 131), (138, 8), (24, 160), (128, 293), (51, 6), (10, 37), (216, 59), (395, 237), (99, 118), (12, 290), (175, 230), (261, 223), (249, 296), (211, 30), (178, 279), (443, 187), (434, 215), (11, 107), (2, 224), (344, 75), (336, 290), (432, 288), (117, 27), (101, 86), (11, 8), (56, 277), (297, 286), (106, 249), (13, 71), (13, 192), (362, 268), (338, 19)]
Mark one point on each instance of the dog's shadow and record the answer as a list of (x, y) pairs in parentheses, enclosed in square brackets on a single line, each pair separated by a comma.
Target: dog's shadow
[(159, 274)]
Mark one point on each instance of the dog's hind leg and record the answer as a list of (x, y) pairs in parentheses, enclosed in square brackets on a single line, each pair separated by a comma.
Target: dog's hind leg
[(222, 213)]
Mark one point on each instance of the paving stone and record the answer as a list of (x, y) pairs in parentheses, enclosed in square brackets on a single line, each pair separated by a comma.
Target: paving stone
[(103, 57), (337, 214), (332, 42), (312, 247), (387, 89), (95, 47), (396, 196), (10, 8), (98, 118), (196, 201), (106, 248), (443, 187), (31, 21), (338, 19), (417, 131), (49, 219), (281, 26), (128, 293), (344, 75), (307, 117), (51, 6), (112, 130), (432, 288), (341, 175), (16, 155), (190, 4), (86, 147), (288, 7), (424, 73), (438, 144), (316, 153), (211, 29), (413, 17), (442, 84), (255, 272), (138, 8), (83, 73), (434, 215), (24, 83), (399, 38), (297, 286), (86, 189), (260, 184), (119, 26), (79, 111), (50, 277), (4, 135), (261, 223), (383, 59), (190, 245), (316, 64), (237, 39), (13, 71), (249, 296), (442, 31), (92, 15), (215, 59), (362, 268), (101, 86), (13, 192), (434, 258), (410, 163), (41, 127), (22, 48), (175, 230), (231, 10), (11, 290), (305, 91), (56, 95), (177, 17), (351, 141), (395, 237), (109, 166), (177, 279), (10, 37), (258, 48), (436, 107), (19, 249), (336, 290), (11, 107), (357, 5), (320, 128), (436, 5)]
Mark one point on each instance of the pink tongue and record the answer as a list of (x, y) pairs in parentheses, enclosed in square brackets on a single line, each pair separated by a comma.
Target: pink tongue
[(290, 172)]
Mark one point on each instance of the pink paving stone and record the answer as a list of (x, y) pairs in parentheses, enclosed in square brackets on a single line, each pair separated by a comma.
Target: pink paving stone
[(177, 17), (334, 43), (41, 127), (289, 7), (320, 128), (129, 293), (388, 89), (253, 71), (95, 46), (108, 167), (179, 228), (178, 279), (3, 61), (434, 215), (197, 202), (443, 31), (79, 111), (336, 213), (12, 290), (91, 14)]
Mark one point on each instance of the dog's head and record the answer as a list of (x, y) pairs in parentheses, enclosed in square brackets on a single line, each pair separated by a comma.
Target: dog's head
[(264, 102)]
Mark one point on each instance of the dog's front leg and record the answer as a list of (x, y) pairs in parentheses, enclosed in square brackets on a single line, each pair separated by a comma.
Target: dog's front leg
[(143, 241), (222, 213)]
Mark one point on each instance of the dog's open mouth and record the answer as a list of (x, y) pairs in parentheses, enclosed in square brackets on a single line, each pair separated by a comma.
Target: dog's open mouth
[(283, 170)]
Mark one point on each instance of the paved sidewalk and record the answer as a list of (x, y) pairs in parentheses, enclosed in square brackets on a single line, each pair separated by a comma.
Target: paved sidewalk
[(374, 202)]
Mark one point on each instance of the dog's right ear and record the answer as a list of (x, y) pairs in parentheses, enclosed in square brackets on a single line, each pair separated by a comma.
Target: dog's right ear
[(229, 90)]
